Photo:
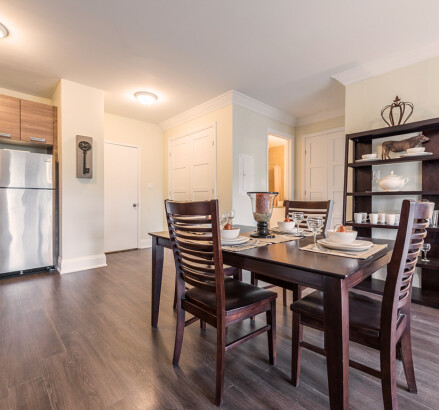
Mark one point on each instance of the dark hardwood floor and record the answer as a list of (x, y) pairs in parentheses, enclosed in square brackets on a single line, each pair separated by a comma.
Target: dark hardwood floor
[(84, 341)]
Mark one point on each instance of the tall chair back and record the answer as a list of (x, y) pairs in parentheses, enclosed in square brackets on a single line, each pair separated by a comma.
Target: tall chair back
[(311, 208), (196, 245), (398, 288)]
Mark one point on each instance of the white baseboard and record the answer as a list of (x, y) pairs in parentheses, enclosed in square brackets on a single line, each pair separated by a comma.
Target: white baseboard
[(146, 243), (81, 263)]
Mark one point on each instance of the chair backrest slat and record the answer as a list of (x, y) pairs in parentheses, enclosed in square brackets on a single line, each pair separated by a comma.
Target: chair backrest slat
[(311, 208), (195, 241), (409, 240)]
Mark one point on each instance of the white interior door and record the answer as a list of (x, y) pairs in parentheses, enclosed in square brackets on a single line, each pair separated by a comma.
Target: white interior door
[(192, 166), (121, 186), (316, 168), (336, 175), (324, 170)]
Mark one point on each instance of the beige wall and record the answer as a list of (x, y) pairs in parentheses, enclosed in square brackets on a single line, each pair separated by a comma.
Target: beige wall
[(418, 83), (81, 112), (148, 137), (224, 137), (300, 132), (250, 137), (276, 156)]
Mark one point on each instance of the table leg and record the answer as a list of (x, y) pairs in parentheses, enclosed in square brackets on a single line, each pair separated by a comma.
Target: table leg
[(157, 273), (336, 309)]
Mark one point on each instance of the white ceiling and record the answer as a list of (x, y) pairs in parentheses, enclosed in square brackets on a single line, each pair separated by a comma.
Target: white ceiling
[(281, 52)]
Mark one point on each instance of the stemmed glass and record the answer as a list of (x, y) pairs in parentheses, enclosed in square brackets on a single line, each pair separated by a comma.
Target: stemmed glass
[(297, 218), (315, 224), (425, 248), (230, 215)]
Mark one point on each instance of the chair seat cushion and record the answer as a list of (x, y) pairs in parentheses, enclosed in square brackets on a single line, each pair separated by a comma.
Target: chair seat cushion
[(364, 312), (238, 294)]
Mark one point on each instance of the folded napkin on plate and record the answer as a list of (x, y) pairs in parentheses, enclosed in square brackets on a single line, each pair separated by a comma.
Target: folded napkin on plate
[(346, 254), (244, 246), (277, 238)]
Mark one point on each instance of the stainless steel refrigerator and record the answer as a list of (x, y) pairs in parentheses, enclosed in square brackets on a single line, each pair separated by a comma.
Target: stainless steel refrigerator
[(26, 211)]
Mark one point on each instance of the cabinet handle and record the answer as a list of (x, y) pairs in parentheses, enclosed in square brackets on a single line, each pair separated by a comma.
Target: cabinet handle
[(38, 139), (6, 135)]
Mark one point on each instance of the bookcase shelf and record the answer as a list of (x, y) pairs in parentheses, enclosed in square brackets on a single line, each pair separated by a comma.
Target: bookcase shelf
[(360, 193)]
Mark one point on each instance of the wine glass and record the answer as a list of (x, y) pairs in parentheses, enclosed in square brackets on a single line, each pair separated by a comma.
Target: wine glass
[(315, 224), (425, 248), (297, 218), (230, 215), (223, 220)]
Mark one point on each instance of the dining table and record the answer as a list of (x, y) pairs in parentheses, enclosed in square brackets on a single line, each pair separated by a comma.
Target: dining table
[(287, 265)]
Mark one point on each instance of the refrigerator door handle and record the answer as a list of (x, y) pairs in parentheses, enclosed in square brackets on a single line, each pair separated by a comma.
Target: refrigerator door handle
[(38, 139), (5, 134)]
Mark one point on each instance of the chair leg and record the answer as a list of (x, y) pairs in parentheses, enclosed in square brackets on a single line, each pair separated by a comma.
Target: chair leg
[(296, 352), (178, 336), (220, 364), (271, 334), (407, 360), (174, 306), (388, 376), (284, 297), (202, 325), (254, 282), (238, 276)]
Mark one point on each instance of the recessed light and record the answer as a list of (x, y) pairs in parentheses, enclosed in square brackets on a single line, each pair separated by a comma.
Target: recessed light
[(3, 31), (145, 98)]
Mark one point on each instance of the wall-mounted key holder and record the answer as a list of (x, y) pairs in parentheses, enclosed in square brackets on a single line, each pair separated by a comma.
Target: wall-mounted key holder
[(84, 157)]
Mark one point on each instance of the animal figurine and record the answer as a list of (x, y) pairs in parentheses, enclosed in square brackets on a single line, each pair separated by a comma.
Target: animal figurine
[(398, 146)]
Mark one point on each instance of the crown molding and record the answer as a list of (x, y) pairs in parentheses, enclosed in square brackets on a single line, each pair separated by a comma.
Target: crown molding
[(321, 116), (261, 108), (388, 63), (230, 97)]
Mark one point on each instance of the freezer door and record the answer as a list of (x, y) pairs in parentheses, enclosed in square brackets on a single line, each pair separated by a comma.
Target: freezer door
[(23, 169), (26, 229)]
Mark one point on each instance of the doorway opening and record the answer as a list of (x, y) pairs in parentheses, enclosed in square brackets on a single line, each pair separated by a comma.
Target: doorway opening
[(279, 166)]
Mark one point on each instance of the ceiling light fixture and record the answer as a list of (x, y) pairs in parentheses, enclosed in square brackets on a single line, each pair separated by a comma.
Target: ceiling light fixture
[(145, 98), (3, 31)]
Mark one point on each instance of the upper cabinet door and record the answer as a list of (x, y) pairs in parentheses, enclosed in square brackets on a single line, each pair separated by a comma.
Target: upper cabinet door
[(37, 123), (9, 118)]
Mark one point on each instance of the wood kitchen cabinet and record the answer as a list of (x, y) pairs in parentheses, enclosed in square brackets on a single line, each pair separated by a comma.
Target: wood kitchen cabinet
[(9, 118), (37, 122)]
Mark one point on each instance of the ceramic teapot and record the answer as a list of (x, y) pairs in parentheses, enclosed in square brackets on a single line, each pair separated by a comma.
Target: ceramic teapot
[(392, 182)]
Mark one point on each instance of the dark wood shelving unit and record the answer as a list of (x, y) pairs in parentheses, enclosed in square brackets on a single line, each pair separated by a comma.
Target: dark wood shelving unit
[(417, 158), (361, 194)]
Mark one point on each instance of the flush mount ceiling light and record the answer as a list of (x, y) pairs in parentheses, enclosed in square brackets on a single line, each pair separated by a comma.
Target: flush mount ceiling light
[(3, 31), (145, 98)]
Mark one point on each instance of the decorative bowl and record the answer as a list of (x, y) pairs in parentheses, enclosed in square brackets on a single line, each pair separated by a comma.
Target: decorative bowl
[(230, 233), (392, 182), (369, 156), (415, 150), (342, 237), (286, 226)]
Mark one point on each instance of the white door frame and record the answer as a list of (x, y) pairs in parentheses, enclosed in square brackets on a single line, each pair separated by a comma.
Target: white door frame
[(304, 137), (139, 216), (289, 155), (185, 134)]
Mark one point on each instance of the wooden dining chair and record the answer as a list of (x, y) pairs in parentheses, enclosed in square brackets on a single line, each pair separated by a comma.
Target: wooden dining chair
[(382, 325), (309, 208), (215, 299)]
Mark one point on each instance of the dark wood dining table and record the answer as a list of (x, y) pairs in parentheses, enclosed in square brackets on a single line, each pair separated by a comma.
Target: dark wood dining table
[(285, 265)]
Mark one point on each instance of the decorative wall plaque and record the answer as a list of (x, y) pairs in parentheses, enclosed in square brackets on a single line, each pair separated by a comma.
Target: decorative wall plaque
[(84, 157)]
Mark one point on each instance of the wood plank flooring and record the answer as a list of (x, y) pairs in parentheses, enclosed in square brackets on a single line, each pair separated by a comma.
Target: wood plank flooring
[(84, 341)]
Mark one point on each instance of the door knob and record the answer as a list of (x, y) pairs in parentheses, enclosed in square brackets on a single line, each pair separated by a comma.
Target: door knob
[(134, 205)]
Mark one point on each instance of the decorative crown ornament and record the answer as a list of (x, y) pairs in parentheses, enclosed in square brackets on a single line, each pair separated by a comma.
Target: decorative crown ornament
[(398, 104)]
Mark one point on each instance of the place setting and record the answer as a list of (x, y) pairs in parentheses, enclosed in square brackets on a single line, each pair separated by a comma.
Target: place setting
[(341, 242)]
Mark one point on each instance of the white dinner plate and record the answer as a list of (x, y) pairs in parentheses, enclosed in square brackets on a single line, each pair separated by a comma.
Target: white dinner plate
[(237, 241), (368, 159), (416, 154), (355, 246)]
